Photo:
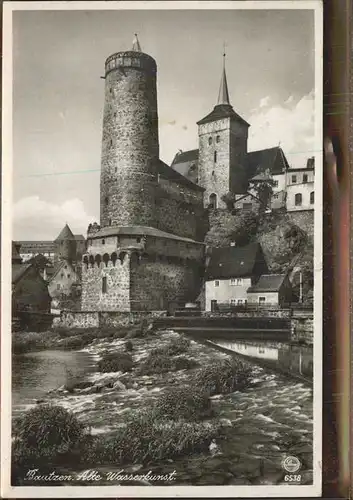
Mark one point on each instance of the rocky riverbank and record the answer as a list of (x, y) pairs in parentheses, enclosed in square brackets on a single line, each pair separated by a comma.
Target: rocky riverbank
[(261, 424)]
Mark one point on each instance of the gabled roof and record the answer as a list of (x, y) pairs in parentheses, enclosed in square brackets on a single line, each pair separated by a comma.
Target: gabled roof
[(58, 268), (18, 270), (79, 237), (233, 262), (186, 156), (65, 234), (268, 283), (169, 173), (271, 159), (222, 111)]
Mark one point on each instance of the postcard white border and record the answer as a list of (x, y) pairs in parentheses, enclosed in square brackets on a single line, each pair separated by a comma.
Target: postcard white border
[(283, 491)]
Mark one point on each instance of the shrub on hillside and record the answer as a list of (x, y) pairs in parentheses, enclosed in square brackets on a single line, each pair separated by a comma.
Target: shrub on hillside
[(46, 433), (223, 377), (116, 362), (183, 403), (176, 346), (129, 346), (145, 439), (29, 341), (161, 363)]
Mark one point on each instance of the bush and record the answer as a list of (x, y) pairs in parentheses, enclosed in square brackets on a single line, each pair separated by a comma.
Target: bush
[(46, 433), (175, 346), (161, 363), (184, 403), (30, 341), (129, 346), (224, 376), (145, 439), (116, 362)]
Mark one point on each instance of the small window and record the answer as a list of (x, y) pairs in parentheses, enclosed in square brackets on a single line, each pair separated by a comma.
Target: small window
[(110, 222), (262, 300), (103, 242), (104, 284), (62, 275), (233, 302), (69, 275), (305, 178), (275, 184), (312, 198), (239, 281), (138, 240), (233, 281), (212, 173), (216, 283), (218, 138), (215, 156), (294, 179), (116, 169), (213, 200), (65, 267), (240, 301), (247, 206), (106, 200), (210, 141), (58, 286), (298, 199)]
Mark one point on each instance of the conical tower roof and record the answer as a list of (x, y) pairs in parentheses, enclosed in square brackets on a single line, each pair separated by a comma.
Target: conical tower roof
[(65, 234), (223, 94)]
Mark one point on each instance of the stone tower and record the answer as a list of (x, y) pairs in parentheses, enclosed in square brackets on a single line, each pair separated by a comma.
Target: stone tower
[(223, 137), (65, 245), (130, 148)]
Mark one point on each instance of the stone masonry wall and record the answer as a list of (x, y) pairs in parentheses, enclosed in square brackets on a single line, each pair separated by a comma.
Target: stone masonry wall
[(214, 175), (117, 294), (162, 285), (130, 148), (96, 319)]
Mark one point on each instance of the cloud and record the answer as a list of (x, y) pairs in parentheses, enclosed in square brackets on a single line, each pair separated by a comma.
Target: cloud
[(290, 124), (265, 101), (34, 218)]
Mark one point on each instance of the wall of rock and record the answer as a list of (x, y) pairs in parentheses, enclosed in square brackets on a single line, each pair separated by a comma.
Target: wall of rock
[(304, 220)]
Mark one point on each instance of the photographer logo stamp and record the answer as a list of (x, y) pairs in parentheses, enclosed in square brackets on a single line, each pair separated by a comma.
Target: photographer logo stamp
[(291, 464)]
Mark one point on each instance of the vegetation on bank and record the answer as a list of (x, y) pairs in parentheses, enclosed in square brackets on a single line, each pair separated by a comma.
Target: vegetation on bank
[(73, 338)]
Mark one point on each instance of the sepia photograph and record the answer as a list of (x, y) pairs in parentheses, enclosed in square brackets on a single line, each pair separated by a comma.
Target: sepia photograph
[(161, 207)]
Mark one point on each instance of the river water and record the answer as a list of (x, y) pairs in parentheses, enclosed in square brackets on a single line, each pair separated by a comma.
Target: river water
[(36, 373)]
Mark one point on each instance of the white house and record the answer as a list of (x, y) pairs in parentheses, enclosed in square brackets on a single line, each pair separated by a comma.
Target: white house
[(300, 187), (230, 272)]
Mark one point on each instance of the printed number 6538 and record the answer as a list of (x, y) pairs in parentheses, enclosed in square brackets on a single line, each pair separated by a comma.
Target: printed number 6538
[(292, 478)]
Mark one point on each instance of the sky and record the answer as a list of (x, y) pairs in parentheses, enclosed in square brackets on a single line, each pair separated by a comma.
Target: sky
[(58, 95)]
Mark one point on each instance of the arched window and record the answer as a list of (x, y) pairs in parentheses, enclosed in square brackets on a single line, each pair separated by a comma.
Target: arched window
[(312, 197), (218, 138), (215, 156), (210, 141), (104, 284), (213, 201), (298, 199)]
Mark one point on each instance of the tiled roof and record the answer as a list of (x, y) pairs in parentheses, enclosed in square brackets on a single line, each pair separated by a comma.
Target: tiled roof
[(186, 156), (268, 283), (222, 111), (18, 270), (271, 159), (233, 262), (173, 175), (39, 246), (139, 231)]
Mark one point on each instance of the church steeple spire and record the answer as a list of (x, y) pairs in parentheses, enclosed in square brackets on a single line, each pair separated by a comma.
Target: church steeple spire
[(136, 47), (223, 95)]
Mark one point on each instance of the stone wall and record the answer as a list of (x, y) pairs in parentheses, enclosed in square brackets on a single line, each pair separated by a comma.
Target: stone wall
[(163, 284), (302, 329), (97, 319), (130, 148), (255, 313), (115, 294)]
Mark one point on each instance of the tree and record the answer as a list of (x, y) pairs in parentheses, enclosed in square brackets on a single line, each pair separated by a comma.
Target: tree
[(263, 190), (240, 230)]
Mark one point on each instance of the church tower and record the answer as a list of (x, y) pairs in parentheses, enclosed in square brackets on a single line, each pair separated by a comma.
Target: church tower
[(223, 137), (130, 148)]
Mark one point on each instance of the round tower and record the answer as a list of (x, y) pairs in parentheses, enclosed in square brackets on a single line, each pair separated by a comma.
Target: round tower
[(130, 148)]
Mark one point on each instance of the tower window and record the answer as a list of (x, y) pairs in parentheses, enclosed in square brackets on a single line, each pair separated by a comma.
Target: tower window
[(312, 197), (215, 156), (138, 240), (218, 138), (111, 142), (213, 201), (298, 199), (305, 178), (106, 200), (116, 169), (103, 242), (104, 284), (210, 141), (110, 222), (294, 179)]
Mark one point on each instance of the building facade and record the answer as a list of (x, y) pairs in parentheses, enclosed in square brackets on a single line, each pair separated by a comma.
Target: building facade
[(147, 252)]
